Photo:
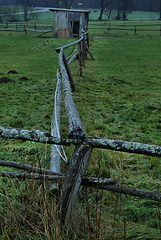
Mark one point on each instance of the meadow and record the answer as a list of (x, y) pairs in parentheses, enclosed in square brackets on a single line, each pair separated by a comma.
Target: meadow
[(117, 97)]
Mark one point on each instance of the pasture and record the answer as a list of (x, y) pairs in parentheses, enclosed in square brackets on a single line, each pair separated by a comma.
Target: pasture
[(117, 97)]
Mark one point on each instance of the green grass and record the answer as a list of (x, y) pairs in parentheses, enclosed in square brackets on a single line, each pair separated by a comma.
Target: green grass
[(117, 97)]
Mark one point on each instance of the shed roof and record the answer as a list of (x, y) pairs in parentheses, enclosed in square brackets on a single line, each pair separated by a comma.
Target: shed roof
[(69, 10)]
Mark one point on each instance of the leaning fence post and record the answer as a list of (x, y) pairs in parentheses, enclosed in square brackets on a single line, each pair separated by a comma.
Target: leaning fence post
[(55, 159), (72, 84), (73, 179)]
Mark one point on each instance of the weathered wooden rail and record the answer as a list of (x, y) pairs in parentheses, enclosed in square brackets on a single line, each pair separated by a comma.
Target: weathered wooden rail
[(74, 177)]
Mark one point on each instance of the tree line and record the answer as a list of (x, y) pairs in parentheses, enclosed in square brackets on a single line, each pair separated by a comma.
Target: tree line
[(123, 7)]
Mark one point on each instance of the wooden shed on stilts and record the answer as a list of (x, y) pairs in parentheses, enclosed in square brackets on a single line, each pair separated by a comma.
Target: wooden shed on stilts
[(70, 22)]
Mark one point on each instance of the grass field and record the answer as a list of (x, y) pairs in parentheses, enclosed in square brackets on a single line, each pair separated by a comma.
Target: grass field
[(117, 97)]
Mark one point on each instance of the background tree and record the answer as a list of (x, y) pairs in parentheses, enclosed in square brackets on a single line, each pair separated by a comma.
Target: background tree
[(26, 6), (124, 7), (103, 5), (67, 3), (157, 6)]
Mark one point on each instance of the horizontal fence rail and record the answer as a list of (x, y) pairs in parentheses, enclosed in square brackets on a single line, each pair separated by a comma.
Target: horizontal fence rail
[(117, 145), (26, 27), (98, 183), (137, 28)]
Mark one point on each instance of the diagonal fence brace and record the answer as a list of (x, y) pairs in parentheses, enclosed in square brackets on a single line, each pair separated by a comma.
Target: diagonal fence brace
[(73, 179)]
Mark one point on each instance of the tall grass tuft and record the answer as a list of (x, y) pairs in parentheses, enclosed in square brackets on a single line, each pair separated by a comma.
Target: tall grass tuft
[(29, 213)]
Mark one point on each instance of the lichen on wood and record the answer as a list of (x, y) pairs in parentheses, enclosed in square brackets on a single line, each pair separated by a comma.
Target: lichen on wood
[(32, 135), (125, 146)]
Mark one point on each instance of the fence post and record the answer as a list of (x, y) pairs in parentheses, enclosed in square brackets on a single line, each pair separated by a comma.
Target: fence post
[(73, 179), (24, 27), (79, 59), (83, 47), (108, 29), (135, 30), (86, 42), (6, 25)]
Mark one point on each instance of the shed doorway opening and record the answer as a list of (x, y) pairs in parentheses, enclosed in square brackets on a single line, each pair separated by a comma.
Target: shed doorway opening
[(75, 28)]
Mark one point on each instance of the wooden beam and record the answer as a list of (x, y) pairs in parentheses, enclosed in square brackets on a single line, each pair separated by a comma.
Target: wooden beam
[(75, 56), (80, 59), (132, 192), (105, 184), (28, 168), (72, 84), (116, 145), (68, 45), (34, 136), (125, 146), (71, 53), (90, 53), (55, 159), (73, 179), (33, 176), (86, 181), (75, 126), (97, 182)]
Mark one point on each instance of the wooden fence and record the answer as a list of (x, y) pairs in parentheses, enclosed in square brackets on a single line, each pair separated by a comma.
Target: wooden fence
[(27, 26), (74, 176), (137, 28), (49, 27)]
